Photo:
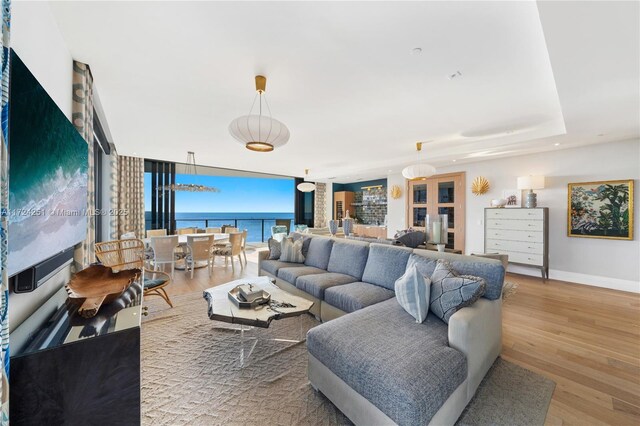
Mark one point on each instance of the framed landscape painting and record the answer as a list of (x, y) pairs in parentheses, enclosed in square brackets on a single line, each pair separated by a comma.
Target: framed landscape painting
[(601, 209)]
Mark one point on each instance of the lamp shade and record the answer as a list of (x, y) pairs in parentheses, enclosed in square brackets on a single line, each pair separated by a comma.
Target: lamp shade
[(306, 187), (259, 132), (531, 182), (418, 170)]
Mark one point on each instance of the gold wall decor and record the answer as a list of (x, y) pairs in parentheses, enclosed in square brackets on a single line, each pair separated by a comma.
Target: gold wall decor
[(480, 185), (396, 192)]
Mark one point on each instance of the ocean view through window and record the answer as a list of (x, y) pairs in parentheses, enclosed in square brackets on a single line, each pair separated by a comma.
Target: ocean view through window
[(251, 203)]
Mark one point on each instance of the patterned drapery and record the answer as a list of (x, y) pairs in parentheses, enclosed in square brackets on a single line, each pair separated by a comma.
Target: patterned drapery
[(130, 195), (82, 118), (113, 192), (4, 207)]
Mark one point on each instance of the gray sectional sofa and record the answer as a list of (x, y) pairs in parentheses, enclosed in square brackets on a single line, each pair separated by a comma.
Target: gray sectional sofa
[(370, 357)]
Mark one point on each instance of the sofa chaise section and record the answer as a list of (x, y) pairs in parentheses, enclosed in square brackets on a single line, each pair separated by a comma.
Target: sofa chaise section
[(405, 369)]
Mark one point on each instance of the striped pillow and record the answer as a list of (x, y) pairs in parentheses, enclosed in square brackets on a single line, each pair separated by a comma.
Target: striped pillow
[(412, 291), (291, 251)]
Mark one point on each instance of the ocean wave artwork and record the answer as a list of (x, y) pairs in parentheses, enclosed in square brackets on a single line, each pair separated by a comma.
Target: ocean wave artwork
[(48, 166)]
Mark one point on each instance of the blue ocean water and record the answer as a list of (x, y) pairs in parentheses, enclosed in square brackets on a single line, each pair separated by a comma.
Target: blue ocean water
[(258, 225)]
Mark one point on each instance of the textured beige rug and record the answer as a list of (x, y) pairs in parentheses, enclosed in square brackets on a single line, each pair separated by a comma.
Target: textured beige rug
[(191, 376)]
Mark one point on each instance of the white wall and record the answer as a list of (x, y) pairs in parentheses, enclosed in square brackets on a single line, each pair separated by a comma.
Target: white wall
[(605, 263), (36, 39)]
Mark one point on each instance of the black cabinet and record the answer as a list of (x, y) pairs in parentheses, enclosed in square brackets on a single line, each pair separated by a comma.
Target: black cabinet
[(81, 371)]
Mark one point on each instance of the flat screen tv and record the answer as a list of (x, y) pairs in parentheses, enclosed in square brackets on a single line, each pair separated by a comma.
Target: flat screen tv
[(47, 174)]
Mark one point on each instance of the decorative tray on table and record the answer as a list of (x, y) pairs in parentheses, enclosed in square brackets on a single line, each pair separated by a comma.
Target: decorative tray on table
[(236, 296)]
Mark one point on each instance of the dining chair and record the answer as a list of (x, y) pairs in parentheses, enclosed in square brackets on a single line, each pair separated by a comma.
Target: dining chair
[(164, 251), (198, 250), (156, 233), (284, 222), (229, 230), (244, 245), (182, 231), (129, 254), (230, 251), (213, 230)]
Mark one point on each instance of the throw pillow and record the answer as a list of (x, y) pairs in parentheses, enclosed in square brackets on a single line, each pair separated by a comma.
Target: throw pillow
[(275, 249), (412, 291), (451, 292), (291, 251)]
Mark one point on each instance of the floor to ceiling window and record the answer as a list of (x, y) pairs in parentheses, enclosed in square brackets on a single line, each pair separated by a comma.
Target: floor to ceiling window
[(245, 200)]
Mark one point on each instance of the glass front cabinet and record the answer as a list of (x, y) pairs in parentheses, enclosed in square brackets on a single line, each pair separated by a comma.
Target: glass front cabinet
[(440, 194)]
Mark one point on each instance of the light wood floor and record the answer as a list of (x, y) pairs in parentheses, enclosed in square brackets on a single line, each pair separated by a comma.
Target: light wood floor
[(586, 339)]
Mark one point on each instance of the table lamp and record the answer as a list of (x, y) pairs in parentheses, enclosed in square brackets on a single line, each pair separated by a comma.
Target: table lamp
[(531, 183)]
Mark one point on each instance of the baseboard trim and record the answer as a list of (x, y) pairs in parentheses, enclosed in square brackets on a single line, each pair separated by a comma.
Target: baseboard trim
[(585, 279)]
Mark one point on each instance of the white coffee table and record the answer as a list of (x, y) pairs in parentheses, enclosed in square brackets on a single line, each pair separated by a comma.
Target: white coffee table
[(282, 305)]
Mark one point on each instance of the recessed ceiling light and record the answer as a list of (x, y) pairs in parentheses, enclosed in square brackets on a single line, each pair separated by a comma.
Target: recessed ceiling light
[(454, 160), (456, 74), (390, 171), (416, 51), (600, 134), (557, 144)]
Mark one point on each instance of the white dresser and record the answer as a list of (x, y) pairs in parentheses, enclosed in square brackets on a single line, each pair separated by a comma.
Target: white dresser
[(523, 234)]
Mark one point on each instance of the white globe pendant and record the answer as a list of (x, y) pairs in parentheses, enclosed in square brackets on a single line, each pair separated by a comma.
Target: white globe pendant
[(259, 132), (418, 170), (306, 187)]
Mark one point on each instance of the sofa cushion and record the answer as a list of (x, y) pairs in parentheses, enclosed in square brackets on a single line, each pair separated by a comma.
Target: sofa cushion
[(490, 269), (291, 274), (316, 284), (275, 249), (405, 369), (319, 252), (273, 266), (451, 292), (291, 251), (354, 296), (306, 240), (412, 292), (385, 264), (348, 258)]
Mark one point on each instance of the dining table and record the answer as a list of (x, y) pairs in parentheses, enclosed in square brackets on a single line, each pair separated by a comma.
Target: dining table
[(182, 243)]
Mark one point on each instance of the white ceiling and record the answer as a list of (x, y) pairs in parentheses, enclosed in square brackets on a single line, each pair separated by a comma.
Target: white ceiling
[(172, 75)]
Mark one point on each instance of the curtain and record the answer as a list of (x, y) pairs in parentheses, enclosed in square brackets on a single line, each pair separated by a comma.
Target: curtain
[(82, 118), (130, 212), (4, 206), (113, 193)]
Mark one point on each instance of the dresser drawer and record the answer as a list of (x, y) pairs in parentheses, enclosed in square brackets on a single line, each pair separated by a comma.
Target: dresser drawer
[(512, 235), (537, 214), (515, 224), (529, 259), (517, 246)]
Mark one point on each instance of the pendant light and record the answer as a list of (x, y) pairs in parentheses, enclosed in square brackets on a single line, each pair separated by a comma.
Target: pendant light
[(259, 132), (306, 186), (190, 169), (419, 169)]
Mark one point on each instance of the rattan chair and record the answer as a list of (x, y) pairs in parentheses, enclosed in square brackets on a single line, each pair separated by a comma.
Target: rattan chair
[(156, 233), (129, 254), (230, 251), (183, 231), (198, 250)]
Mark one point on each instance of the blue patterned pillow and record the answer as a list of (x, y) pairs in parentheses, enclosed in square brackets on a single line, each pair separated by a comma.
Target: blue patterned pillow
[(412, 291), (274, 249), (451, 292)]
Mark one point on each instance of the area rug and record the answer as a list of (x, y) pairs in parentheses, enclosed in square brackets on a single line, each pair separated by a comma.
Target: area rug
[(509, 289), (191, 375)]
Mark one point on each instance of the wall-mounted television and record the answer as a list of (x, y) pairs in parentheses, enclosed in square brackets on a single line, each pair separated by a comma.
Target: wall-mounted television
[(48, 163)]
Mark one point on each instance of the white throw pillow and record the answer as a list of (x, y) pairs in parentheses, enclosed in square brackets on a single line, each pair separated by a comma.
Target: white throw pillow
[(291, 251), (413, 292)]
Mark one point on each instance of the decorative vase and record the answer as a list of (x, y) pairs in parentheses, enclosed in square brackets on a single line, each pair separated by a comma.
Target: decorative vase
[(438, 229), (347, 226), (333, 227)]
